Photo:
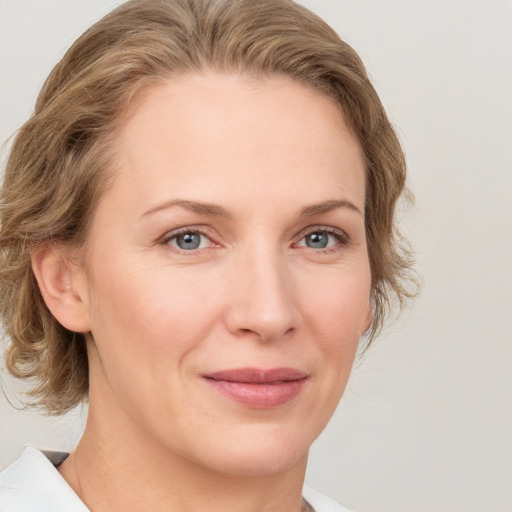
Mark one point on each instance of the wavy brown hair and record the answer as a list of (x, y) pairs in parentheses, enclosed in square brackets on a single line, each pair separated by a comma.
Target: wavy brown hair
[(59, 163)]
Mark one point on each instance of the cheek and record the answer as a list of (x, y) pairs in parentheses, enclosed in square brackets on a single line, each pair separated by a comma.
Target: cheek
[(140, 314), (146, 327), (335, 319), (336, 312), (337, 303)]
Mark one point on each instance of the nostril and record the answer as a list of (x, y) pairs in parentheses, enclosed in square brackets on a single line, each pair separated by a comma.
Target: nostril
[(267, 335)]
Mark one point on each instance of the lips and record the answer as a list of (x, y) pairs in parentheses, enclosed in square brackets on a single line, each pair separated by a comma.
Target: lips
[(259, 388)]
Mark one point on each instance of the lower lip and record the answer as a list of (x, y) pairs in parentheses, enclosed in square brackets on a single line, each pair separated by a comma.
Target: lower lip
[(260, 396)]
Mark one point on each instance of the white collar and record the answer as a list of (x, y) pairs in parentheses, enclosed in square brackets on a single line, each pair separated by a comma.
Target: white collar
[(33, 484)]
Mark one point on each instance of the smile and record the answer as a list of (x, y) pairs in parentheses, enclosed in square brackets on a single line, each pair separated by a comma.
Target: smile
[(261, 389)]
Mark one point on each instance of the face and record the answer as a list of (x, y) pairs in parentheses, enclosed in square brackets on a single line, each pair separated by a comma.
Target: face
[(227, 278)]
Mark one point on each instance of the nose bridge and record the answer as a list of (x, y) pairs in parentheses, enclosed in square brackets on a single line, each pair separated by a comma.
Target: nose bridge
[(264, 301)]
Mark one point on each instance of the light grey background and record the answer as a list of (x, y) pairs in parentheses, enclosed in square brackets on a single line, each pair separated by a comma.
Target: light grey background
[(426, 423)]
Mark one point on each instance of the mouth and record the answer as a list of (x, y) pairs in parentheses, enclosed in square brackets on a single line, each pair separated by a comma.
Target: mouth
[(259, 388)]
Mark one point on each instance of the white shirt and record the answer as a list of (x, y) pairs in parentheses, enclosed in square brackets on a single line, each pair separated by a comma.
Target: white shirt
[(33, 484)]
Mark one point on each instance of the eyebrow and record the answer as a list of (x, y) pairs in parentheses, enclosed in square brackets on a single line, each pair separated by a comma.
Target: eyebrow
[(327, 206), (194, 206), (218, 211)]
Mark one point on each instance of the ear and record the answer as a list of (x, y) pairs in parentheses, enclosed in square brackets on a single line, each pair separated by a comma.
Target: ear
[(63, 287)]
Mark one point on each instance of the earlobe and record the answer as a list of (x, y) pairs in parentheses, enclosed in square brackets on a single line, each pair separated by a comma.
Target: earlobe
[(62, 286)]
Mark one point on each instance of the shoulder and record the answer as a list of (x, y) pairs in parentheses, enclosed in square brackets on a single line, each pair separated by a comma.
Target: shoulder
[(33, 484), (322, 503)]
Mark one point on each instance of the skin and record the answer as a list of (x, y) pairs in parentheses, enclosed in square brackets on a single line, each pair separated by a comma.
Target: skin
[(279, 164)]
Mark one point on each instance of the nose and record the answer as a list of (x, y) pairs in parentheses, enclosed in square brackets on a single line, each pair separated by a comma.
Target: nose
[(263, 302)]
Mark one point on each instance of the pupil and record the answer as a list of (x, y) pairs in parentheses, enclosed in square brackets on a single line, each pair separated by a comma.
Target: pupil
[(317, 240), (189, 241)]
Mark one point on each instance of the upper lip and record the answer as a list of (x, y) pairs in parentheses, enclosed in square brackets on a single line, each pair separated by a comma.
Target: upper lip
[(258, 375)]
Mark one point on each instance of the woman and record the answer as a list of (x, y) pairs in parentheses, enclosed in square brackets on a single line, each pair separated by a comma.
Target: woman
[(196, 230)]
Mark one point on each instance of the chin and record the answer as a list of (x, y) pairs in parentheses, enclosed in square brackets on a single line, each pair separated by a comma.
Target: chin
[(252, 464), (261, 453)]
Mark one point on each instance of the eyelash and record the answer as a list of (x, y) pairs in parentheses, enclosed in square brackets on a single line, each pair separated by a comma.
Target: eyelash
[(341, 237), (193, 230)]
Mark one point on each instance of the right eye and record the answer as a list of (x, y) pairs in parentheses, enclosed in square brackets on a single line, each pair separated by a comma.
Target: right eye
[(189, 240)]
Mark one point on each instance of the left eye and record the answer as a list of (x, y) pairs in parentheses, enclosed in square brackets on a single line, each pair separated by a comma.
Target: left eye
[(320, 240), (189, 241)]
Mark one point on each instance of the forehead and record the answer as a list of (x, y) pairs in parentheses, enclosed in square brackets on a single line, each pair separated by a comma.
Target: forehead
[(261, 136)]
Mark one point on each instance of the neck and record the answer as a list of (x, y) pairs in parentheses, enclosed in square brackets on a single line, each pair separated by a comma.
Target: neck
[(117, 467)]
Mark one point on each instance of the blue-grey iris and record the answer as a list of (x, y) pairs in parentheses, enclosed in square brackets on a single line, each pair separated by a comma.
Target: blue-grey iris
[(317, 240), (188, 241)]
